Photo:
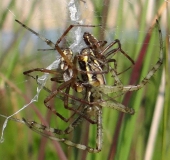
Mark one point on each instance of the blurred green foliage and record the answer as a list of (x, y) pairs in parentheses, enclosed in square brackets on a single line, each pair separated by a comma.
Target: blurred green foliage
[(20, 54)]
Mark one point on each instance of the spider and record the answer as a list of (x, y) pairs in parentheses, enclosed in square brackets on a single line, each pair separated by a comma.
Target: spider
[(91, 66), (70, 69)]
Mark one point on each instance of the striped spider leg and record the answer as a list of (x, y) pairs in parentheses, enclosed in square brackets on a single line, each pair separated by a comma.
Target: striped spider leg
[(40, 129)]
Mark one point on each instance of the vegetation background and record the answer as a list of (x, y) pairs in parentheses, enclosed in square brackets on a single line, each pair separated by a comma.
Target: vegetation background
[(124, 136)]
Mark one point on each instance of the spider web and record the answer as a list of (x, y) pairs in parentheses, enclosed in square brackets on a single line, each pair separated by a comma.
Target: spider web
[(62, 13)]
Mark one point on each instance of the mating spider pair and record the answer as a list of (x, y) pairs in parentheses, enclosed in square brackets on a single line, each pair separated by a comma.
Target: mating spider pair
[(85, 73)]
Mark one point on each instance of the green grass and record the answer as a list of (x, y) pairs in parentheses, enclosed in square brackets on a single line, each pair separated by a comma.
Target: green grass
[(125, 137)]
